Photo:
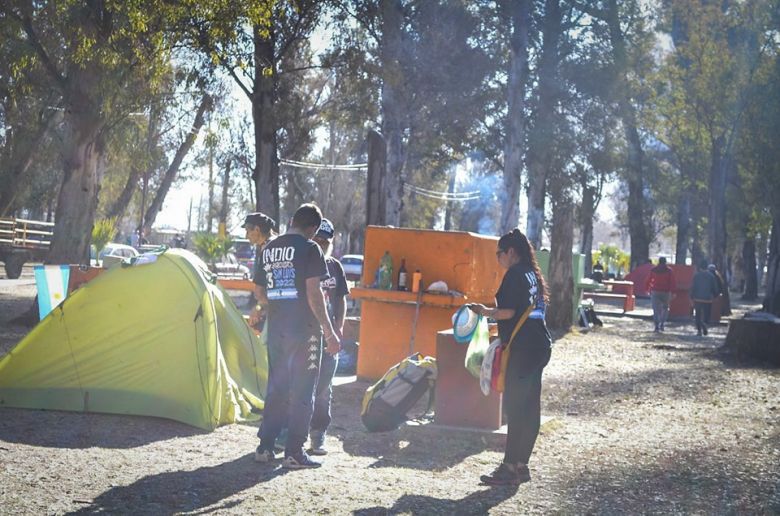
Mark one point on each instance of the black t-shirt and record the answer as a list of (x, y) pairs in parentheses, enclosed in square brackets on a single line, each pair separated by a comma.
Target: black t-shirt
[(335, 286), (286, 263), (520, 289)]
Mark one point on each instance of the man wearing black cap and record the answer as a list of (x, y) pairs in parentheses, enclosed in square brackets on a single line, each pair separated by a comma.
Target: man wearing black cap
[(289, 286), (335, 289), (260, 228)]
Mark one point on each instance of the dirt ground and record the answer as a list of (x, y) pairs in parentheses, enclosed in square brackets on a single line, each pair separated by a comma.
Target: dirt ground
[(642, 423)]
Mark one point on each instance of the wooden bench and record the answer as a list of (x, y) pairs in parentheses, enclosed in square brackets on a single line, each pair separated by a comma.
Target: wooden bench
[(626, 300)]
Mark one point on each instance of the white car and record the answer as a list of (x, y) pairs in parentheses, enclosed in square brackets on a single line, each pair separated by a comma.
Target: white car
[(114, 253), (229, 267), (353, 266)]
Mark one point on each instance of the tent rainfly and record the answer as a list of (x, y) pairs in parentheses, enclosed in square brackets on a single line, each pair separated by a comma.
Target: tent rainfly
[(156, 339)]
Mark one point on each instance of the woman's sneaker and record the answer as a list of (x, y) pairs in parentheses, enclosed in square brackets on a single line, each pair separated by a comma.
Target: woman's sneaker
[(300, 461), (262, 455), (507, 475)]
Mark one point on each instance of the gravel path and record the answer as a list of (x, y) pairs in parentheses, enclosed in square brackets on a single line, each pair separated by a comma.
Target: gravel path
[(642, 423)]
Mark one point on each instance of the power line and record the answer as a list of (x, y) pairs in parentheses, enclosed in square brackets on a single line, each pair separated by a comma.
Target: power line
[(319, 166), (417, 190), (452, 195), (440, 196)]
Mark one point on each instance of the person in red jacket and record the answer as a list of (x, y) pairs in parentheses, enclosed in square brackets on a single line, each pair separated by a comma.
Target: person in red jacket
[(661, 285)]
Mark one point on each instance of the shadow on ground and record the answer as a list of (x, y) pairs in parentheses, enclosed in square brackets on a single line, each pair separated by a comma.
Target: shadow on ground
[(479, 502), (55, 429), (684, 482), (184, 491), (408, 446)]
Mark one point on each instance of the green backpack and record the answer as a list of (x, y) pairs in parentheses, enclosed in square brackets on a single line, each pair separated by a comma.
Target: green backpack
[(386, 403)]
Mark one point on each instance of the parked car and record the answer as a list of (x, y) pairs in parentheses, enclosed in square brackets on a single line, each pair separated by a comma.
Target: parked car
[(353, 266), (230, 267), (245, 252), (114, 253)]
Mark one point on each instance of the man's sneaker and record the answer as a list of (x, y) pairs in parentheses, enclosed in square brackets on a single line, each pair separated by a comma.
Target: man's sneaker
[(317, 444), (507, 475), (704, 329), (300, 461), (264, 455), (281, 441)]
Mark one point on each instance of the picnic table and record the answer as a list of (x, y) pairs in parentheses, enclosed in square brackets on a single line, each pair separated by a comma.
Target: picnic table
[(619, 291)]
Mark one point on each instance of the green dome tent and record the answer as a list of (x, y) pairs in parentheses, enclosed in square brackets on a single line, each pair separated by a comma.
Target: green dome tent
[(156, 339)]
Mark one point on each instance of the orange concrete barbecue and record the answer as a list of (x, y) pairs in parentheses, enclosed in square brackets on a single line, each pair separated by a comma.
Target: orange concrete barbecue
[(465, 261)]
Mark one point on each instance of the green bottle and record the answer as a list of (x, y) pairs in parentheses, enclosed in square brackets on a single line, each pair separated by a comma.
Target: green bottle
[(386, 272)]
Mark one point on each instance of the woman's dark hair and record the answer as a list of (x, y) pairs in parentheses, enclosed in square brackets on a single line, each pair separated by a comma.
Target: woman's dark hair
[(516, 240)]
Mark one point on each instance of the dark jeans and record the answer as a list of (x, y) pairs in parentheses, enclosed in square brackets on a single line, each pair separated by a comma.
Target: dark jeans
[(660, 302), (292, 375), (702, 314), (522, 404), (323, 393)]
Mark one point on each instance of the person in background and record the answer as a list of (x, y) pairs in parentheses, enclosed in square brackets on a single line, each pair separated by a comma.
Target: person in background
[(287, 284), (712, 269), (723, 290), (522, 287), (335, 289), (661, 285), (598, 272), (704, 288)]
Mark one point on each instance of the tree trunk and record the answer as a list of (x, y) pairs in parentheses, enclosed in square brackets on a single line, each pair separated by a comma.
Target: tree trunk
[(210, 210), (449, 207), (223, 212), (392, 112), (375, 183), (173, 168), (761, 257), (717, 204), (266, 172), (637, 225), (77, 200), (749, 269), (542, 138), (772, 293), (587, 212), (561, 284), (515, 126), (536, 195), (683, 228), (697, 251), (120, 205), (21, 161)]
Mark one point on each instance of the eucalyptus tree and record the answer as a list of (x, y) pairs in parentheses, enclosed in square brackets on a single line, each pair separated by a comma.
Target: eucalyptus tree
[(712, 73), (630, 37), (758, 175), (29, 111), (519, 14), (432, 69), (102, 59), (250, 40)]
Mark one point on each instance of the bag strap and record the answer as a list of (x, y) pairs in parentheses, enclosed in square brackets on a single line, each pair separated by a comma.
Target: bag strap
[(520, 323)]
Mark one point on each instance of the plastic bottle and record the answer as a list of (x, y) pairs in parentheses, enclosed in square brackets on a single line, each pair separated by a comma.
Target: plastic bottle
[(386, 272), (403, 276), (416, 280)]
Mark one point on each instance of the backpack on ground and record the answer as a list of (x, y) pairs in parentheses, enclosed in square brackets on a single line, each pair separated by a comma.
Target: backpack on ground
[(386, 403)]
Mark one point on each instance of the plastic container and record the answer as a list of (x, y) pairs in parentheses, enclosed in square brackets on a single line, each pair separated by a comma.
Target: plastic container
[(416, 281)]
